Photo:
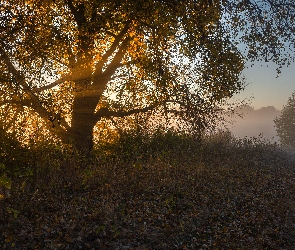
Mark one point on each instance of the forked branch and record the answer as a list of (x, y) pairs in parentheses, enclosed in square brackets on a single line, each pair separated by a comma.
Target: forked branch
[(112, 49)]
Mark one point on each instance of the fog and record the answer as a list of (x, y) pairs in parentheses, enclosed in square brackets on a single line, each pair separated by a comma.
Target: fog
[(255, 123)]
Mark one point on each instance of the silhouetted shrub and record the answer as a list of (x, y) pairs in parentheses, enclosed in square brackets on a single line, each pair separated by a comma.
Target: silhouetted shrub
[(285, 124), (15, 159)]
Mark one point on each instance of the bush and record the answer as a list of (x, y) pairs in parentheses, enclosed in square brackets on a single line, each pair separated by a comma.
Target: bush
[(14, 159), (285, 124), (134, 146)]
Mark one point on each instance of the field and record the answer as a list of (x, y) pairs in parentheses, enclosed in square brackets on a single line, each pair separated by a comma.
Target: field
[(169, 192)]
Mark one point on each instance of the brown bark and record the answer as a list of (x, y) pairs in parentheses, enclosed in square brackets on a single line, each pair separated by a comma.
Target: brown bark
[(83, 119)]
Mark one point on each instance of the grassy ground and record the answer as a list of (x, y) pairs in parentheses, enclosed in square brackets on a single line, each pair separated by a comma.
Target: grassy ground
[(168, 193)]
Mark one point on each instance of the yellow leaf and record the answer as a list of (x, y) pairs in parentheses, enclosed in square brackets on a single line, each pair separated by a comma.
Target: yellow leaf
[(8, 239)]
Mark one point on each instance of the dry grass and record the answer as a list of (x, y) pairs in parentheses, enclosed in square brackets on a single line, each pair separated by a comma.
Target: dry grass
[(221, 194)]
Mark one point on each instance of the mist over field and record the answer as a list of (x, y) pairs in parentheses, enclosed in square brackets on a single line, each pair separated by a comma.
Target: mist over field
[(255, 123)]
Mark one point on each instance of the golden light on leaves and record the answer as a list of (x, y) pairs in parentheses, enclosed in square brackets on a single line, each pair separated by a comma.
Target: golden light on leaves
[(146, 52), (27, 126), (141, 79)]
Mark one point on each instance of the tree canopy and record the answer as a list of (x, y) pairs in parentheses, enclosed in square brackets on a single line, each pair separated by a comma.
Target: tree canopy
[(74, 62), (285, 123)]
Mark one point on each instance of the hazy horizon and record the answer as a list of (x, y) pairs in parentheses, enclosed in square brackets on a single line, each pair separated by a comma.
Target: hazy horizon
[(256, 123), (265, 87)]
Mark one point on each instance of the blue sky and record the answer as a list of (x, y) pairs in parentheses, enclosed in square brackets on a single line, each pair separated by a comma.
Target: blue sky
[(266, 89)]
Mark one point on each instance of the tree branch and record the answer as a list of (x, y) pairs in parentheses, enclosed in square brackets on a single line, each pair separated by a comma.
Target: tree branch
[(105, 112), (20, 79), (112, 49), (116, 62), (51, 85), (32, 100), (12, 101), (49, 124), (100, 80), (115, 44), (78, 12)]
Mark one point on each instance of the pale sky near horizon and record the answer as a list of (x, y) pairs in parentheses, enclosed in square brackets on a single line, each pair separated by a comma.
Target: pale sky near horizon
[(266, 89)]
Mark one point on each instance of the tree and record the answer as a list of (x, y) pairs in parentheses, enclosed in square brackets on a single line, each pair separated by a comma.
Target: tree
[(285, 123), (75, 62)]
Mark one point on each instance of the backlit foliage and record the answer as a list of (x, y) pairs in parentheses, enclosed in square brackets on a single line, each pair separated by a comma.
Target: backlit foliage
[(76, 62)]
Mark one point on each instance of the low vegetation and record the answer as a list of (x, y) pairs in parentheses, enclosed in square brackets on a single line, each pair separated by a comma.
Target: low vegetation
[(166, 191)]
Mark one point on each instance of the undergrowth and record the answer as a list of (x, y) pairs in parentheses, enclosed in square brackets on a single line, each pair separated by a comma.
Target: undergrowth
[(165, 191)]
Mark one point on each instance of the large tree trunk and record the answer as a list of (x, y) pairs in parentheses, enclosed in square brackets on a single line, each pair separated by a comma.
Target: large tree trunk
[(83, 120), (81, 133)]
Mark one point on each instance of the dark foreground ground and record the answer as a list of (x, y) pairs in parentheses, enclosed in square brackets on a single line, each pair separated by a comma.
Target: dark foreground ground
[(214, 198)]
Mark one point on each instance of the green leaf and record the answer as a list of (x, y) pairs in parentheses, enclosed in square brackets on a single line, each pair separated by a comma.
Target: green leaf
[(6, 182)]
